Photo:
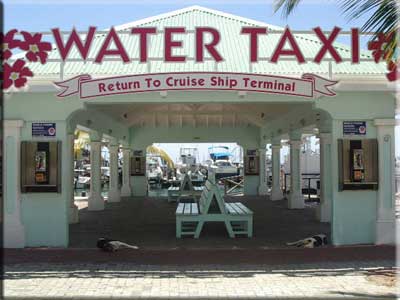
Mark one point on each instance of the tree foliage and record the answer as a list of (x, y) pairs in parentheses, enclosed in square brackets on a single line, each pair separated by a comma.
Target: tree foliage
[(383, 18)]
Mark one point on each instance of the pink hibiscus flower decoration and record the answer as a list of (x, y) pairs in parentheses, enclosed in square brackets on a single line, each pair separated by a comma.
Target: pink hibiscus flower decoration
[(36, 49), (8, 42), (15, 74), (394, 72), (377, 46)]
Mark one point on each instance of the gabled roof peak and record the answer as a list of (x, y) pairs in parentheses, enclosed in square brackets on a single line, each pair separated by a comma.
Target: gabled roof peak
[(194, 8)]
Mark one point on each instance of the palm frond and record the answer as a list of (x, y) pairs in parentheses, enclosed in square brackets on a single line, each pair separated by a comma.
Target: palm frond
[(287, 6), (384, 19), (384, 16)]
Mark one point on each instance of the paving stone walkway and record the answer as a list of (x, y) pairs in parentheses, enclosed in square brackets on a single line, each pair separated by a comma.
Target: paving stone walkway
[(338, 280)]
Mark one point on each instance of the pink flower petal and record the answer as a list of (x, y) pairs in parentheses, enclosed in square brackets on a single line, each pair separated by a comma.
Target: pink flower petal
[(24, 45), (7, 54), (20, 82), (7, 83), (42, 56), (25, 72), (27, 37), (44, 46), (37, 37), (10, 35), (19, 63), (6, 69), (31, 56)]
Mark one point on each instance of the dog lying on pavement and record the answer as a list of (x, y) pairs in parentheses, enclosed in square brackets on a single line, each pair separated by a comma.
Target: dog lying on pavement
[(311, 242), (109, 245)]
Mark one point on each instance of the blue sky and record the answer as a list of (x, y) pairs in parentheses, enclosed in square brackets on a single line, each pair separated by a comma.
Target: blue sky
[(42, 15), (45, 14)]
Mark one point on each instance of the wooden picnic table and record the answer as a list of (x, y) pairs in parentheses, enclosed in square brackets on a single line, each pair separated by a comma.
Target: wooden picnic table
[(190, 217), (186, 190)]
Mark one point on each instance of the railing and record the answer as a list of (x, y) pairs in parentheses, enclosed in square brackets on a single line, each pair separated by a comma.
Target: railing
[(304, 176), (232, 184)]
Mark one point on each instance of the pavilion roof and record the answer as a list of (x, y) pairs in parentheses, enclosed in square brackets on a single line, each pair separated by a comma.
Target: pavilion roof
[(233, 46)]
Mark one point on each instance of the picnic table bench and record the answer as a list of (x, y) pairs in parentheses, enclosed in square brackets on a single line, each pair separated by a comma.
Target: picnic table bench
[(173, 193), (190, 217), (184, 191)]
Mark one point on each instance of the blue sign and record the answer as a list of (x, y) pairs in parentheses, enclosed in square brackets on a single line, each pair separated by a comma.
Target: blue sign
[(354, 128), (44, 129)]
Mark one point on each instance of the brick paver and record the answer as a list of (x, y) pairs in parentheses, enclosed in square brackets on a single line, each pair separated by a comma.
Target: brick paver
[(126, 280)]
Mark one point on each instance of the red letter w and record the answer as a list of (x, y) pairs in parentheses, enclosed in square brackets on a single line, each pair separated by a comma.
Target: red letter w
[(74, 38)]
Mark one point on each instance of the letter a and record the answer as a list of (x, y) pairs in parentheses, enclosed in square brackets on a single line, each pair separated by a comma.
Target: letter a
[(287, 36), (112, 35)]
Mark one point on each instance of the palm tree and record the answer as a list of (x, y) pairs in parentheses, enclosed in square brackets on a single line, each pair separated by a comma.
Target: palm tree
[(383, 19)]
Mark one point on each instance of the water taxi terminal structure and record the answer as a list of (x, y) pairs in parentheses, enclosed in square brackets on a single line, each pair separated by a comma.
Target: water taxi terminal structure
[(129, 106)]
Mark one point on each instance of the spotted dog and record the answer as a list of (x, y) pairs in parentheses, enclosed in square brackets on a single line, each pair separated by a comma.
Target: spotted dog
[(311, 242), (109, 245)]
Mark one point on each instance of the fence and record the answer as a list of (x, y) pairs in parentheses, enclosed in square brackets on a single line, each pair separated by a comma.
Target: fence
[(309, 178), (233, 185)]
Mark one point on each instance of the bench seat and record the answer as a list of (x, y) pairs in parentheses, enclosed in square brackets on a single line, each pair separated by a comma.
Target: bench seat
[(240, 218), (187, 209), (237, 208), (189, 220), (186, 219), (173, 193)]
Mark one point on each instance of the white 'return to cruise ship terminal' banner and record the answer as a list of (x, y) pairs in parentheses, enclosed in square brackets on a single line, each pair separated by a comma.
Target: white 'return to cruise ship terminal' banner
[(309, 85)]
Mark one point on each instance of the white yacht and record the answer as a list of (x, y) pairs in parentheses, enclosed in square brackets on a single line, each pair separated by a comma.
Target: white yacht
[(220, 160), (188, 162), (154, 172), (225, 168)]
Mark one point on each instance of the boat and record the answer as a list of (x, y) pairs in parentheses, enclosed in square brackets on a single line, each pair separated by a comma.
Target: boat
[(154, 169), (82, 182), (225, 168), (82, 176), (188, 163), (220, 158), (219, 153)]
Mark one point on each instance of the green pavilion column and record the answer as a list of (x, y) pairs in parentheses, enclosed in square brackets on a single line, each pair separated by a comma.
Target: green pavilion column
[(276, 191), (324, 210), (73, 212), (296, 200), (262, 188), (114, 194), (96, 201), (126, 190), (14, 231), (385, 217)]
